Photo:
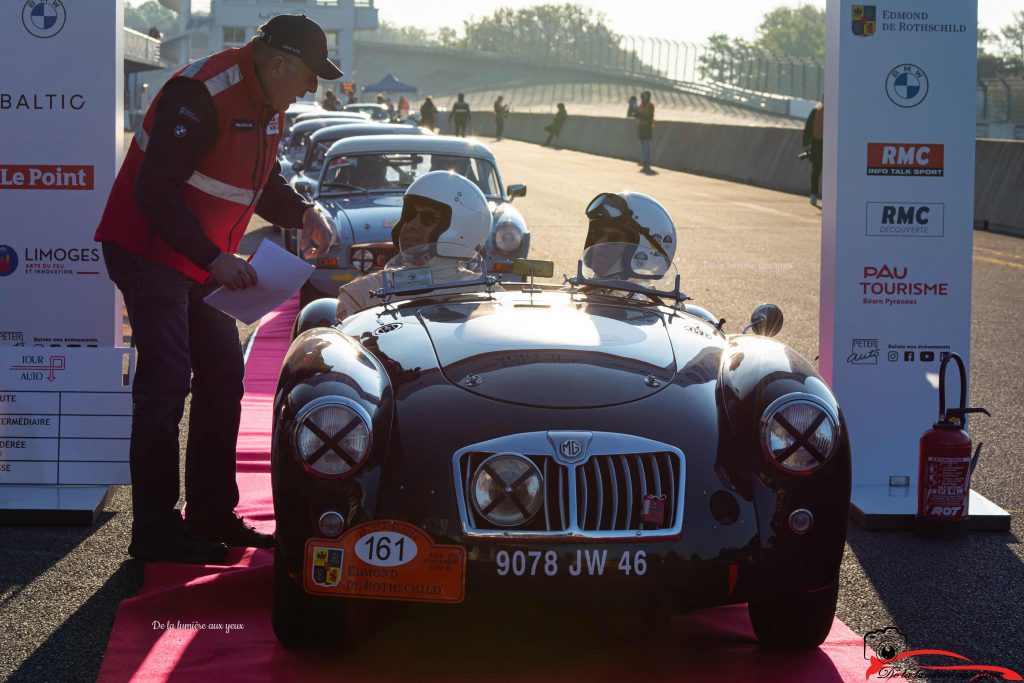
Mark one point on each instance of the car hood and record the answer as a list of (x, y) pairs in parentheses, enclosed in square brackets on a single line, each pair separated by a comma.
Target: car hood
[(579, 355), (371, 217)]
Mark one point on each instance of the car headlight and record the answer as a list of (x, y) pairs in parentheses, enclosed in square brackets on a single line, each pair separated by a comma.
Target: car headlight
[(508, 237), (507, 489), (799, 432), (332, 436), (362, 260)]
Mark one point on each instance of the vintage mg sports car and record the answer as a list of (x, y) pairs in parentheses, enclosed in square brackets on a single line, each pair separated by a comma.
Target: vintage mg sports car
[(463, 440), (361, 185)]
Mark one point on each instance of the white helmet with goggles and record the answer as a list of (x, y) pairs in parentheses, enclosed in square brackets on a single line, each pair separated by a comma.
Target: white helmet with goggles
[(462, 217), (646, 223)]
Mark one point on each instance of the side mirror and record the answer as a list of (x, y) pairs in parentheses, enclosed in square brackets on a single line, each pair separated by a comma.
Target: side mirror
[(766, 320), (516, 191), (304, 187), (297, 167)]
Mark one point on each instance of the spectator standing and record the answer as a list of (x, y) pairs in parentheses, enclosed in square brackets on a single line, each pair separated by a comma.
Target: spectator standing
[(631, 107), (814, 134), (555, 127), (352, 97), (645, 129), (154, 32), (460, 115), (391, 108), (500, 112), (330, 101), (403, 109), (428, 113)]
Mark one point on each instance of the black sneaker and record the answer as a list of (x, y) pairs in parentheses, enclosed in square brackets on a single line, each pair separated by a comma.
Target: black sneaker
[(232, 531), (178, 545)]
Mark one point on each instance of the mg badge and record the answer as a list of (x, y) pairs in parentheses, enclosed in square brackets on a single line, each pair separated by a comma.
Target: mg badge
[(570, 449)]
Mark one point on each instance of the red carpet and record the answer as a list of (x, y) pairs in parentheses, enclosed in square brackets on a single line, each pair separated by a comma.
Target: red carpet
[(213, 623)]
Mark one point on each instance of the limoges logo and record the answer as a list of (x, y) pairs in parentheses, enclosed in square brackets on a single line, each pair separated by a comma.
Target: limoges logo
[(43, 18), (905, 159), (8, 260), (888, 656)]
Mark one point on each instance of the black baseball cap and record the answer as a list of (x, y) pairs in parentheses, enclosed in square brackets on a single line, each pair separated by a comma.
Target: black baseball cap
[(299, 35)]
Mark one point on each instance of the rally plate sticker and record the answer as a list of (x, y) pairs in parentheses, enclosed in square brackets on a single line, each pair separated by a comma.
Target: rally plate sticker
[(385, 560)]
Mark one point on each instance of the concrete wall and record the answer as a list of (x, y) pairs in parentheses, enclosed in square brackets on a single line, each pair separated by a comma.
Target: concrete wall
[(762, 156)]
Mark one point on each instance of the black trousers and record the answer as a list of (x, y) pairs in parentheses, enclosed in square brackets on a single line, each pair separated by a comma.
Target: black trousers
[(816, 149), (182, 346), (499, 126), (460, 125)]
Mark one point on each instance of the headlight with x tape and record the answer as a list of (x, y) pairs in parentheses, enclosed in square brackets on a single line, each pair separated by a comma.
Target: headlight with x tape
[(507, 489), (332, 436), (799, 433)]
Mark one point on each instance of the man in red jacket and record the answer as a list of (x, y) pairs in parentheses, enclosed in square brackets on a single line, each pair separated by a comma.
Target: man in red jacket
[(202, 162)]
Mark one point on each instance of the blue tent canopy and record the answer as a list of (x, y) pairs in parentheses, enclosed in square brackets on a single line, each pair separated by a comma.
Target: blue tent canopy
[(389, 84)]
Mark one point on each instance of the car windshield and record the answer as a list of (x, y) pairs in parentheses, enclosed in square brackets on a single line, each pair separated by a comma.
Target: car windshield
[(393, 171), (433, 266), (315, 157), (622, 269)]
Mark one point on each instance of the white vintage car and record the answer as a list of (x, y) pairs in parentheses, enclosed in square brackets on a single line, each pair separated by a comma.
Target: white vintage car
[(361, 185)]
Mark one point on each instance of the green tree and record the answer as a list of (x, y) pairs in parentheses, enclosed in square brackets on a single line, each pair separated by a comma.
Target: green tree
[(793, 32), (1013, 41), (143, 17)]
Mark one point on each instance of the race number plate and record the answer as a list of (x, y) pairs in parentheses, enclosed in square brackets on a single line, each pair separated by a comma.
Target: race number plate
[(385, 560)]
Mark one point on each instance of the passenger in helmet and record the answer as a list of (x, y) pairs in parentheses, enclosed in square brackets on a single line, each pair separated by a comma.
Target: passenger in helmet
[(639, 234), (440, 208)]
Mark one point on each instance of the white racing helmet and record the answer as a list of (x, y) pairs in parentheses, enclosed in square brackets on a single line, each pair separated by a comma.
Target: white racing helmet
[(647, 223), (465, 220)]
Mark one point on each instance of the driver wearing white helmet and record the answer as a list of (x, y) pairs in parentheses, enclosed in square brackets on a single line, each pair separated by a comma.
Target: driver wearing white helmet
[(441, 208), (640, 235)]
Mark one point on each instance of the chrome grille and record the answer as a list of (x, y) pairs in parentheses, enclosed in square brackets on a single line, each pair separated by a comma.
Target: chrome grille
[(382, 252), (601, 497)]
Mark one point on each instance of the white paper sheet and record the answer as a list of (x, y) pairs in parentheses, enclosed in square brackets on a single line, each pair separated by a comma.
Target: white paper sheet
[(279, 274)]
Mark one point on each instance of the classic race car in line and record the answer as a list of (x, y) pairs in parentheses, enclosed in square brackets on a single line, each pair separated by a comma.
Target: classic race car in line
[(522, 442), (360, 189), (293, 145), (377, 112)]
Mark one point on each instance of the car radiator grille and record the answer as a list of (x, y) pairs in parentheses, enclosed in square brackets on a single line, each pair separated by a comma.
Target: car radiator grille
[(381, 253), (604, 494)]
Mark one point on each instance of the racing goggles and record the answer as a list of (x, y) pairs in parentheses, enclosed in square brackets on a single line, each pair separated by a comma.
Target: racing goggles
[(609, 205)]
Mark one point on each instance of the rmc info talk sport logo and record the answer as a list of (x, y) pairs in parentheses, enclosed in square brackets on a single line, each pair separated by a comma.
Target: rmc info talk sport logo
[(44, 18)]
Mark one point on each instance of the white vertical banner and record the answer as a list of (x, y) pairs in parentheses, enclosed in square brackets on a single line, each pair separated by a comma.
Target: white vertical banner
[(61, 104), (897, 222)]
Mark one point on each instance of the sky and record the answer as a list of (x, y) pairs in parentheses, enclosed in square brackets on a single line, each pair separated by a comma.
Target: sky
[(686, 20)]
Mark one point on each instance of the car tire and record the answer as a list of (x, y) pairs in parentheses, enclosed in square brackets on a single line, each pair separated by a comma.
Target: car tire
[(303, 620), (795, 622)]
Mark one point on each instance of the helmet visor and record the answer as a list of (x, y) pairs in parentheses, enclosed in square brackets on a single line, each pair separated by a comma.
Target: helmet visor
[(607, 205)]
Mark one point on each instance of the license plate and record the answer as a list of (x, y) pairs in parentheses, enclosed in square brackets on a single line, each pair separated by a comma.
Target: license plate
[(385, 560), (585, 562)]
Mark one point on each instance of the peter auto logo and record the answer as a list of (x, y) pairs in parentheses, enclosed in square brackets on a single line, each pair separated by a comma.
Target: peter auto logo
[(35, 177), (44, 18), (893, 219), (905, 159)]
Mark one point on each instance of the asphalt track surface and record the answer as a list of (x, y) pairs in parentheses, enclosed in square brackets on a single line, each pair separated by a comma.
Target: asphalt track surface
[(739, 246)]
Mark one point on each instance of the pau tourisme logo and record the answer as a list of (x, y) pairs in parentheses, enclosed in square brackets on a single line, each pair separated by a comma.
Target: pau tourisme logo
[(44, 18), (889, 657), (8, 260), (906, 85)]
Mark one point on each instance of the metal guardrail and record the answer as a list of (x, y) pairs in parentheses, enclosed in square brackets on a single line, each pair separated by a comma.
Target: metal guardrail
[(1001, 100), (141, 48)]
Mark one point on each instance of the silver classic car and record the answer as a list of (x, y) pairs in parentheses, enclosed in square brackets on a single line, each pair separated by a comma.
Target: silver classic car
[(360, 189)]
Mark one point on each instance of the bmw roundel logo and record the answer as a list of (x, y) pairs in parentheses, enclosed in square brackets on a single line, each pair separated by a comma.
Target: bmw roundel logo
[(43, 18), (906, 85), (179, 131), (8, 260)]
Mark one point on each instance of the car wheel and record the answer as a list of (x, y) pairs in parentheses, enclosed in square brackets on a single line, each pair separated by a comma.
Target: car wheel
[(795, 622), (303, 620)]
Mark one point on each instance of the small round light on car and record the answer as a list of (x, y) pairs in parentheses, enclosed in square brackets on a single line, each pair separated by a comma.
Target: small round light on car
[(508, 237), (801, 521), (799, 432), (507, 489), (331, 523), (362, 259), (332, 436)]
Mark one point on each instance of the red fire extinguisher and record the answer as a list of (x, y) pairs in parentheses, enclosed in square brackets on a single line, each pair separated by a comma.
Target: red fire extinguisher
[(945, 465)]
